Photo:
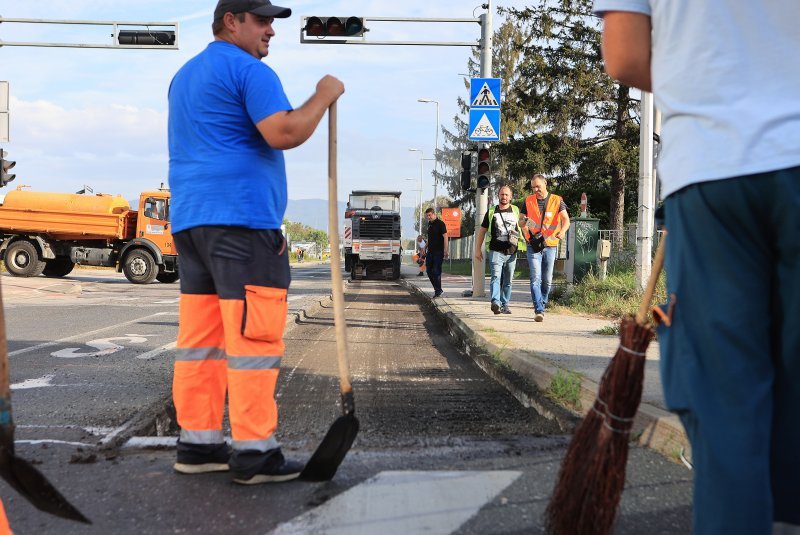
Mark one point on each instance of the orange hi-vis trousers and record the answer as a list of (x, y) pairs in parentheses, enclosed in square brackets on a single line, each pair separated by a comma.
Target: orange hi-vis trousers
[(5, 529), (230, 337)]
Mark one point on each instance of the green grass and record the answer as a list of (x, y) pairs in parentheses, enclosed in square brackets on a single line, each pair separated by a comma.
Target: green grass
[(608, 330), (565, 388), (612, 298)]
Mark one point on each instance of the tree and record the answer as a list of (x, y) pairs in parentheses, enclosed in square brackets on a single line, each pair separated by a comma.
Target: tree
[(301, 232), (586, 137), (506, 56)]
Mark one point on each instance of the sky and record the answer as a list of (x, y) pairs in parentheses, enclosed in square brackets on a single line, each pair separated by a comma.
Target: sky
[(98, 117)]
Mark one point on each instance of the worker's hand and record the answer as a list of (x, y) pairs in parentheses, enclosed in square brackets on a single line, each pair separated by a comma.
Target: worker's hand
[(446, 254), (479, 256), (330, 88)]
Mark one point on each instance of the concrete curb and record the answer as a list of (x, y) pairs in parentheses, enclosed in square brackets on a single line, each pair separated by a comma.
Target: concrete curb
[(532, 376)]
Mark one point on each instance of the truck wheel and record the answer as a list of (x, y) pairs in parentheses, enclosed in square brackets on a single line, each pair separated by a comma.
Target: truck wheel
[(395, 267), (140, 267), (58, 267), (22, 259), (167, 277)]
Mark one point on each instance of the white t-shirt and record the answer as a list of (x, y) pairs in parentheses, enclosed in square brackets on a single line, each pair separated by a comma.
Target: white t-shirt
[(727, 81)]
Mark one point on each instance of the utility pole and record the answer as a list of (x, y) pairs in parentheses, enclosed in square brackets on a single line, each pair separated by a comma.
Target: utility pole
[(645, 227), (481, 197)]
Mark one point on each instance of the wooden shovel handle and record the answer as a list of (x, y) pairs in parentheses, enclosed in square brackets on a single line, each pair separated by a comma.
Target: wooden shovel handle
[(337, 285), (5, 389), (647, 297)]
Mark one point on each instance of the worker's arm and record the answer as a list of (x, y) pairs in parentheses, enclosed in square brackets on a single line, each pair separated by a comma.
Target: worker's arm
[(564, 223), (446, 244), (288, 129), (626, 48), (479, 244)]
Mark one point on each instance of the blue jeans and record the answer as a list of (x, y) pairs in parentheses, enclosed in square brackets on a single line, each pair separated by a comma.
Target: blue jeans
[(540, 266), (502, 270), (730, 361), (433, 265)]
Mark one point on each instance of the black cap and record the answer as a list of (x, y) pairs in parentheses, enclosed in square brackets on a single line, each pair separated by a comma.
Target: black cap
[(263, 8)]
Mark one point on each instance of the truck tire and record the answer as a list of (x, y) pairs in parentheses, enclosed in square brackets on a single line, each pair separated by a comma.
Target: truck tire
[(167, 277), (22, 259), (58, 267), (140, 267), (395, 266)]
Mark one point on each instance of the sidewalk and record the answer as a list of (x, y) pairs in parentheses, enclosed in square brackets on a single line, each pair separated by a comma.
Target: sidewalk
[(538, 351)]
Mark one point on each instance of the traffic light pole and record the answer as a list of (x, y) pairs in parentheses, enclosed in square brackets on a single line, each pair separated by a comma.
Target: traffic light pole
[(481, 197), (124, 35)]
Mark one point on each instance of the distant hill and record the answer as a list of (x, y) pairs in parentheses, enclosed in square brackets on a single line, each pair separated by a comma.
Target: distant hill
[(314, 213)]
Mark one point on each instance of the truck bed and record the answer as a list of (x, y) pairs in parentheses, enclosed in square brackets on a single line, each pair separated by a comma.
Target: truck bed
[(64, 225)]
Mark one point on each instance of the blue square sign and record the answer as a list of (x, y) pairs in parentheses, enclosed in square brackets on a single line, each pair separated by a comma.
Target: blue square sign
[(484, 93), (484, 124)]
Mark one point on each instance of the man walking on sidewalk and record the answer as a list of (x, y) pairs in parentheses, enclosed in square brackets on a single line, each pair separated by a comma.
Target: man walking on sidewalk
[(437, 250), (546, 214), (502, 224), (730, 174), (229, 123)]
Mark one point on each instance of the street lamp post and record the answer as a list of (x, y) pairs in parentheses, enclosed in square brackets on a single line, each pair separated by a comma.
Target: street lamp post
[(420, 212), (435, 151), (421, 171)]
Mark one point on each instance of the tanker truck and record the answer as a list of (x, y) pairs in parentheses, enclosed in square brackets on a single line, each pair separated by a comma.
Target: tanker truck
[(49, 233)]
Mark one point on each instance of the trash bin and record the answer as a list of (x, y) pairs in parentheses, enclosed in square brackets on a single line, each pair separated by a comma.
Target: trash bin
[(584, 233)]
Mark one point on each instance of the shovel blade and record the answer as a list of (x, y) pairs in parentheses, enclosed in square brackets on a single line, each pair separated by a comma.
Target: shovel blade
[(331, 452), (32, 484)]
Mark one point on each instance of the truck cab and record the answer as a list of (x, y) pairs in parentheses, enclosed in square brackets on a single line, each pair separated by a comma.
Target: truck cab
[(152, 222)]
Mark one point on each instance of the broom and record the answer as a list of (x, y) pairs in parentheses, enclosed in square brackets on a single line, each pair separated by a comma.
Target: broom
[(592, 475)]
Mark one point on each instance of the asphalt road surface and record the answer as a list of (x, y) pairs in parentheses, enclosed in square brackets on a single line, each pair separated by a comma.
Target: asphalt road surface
[(442, 448)]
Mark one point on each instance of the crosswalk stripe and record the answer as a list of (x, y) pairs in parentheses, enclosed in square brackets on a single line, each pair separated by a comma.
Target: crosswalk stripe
[(399, 502)]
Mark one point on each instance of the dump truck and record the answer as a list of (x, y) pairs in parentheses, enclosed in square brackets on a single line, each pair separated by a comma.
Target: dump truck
[(49, 233), (372, 234)]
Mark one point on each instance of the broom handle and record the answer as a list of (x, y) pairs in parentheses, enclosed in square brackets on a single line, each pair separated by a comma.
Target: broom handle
[(647, 298), (336, 271)]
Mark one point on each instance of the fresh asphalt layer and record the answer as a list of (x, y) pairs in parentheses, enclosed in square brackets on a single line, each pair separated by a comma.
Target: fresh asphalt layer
[(539, 351)]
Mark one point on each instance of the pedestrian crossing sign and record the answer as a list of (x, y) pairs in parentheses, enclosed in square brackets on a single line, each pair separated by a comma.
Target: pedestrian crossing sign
[(484, 124), (484, 93)]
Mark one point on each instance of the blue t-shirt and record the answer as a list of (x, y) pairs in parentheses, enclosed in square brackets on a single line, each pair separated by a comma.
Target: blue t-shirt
[(221, 170)]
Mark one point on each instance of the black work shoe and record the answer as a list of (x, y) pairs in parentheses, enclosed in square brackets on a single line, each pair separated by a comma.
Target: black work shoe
[(202, 458), (437, 294), (273, 468), (505, 309), (495, 307), (420, 274)]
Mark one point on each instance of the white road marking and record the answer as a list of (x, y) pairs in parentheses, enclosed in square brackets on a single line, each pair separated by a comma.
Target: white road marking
[(157, 351), (104, 346), (398, 503), (52, 441), (34, 383), (90, 333)]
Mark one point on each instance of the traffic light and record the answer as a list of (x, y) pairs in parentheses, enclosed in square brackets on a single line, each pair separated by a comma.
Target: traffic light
[(466, 170), (146, 37), (5, 165), (335, 27), (484, 168)]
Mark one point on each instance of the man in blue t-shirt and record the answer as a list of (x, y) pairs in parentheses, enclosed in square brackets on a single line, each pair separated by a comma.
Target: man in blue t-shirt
[(229, 123)]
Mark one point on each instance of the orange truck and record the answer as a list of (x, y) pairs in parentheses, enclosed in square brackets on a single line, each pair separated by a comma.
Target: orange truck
[(49, 233)]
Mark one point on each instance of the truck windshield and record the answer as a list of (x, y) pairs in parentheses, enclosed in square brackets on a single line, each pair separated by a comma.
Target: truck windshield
[(375, 202), (156, 209)]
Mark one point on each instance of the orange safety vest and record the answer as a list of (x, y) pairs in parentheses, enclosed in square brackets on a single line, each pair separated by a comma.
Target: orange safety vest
[(551, 220)]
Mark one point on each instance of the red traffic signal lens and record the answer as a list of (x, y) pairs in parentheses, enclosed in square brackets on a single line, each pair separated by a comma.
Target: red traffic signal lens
[(483, 155), (335, 26), (483, 168), (314, 27)]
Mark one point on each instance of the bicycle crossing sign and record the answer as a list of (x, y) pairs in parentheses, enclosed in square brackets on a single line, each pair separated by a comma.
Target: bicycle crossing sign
[(484, 109), (484, 124)]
